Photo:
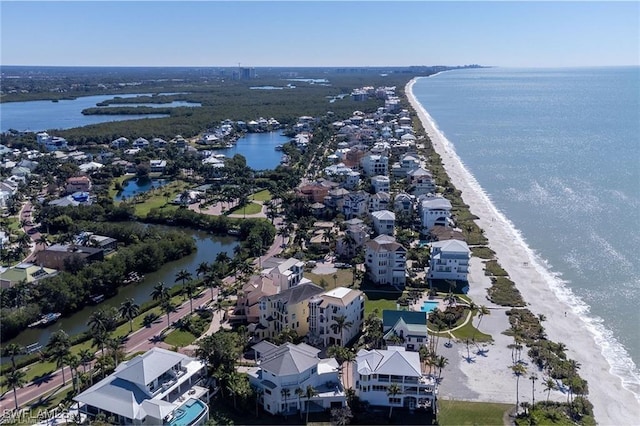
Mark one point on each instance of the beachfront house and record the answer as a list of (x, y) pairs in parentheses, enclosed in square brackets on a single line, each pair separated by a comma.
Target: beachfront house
[(406, 328), (326, 307), (449, 260), (385, 261), (159, 387), (384, 222), (284, 369), (375, 370), (434, 211)]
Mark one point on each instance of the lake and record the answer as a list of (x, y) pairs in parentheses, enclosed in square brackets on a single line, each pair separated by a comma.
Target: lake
[(259, 149), (135, 186), (38, 116), (208, 247)]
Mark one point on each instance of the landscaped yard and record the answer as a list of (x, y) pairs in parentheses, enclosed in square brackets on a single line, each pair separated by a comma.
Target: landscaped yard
[(179, 338), (379, 304), (344, 278), (471, 413), (251, 208), (263, 196)]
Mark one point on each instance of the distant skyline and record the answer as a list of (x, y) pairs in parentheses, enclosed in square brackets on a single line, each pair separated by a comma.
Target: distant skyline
[(319, 33)]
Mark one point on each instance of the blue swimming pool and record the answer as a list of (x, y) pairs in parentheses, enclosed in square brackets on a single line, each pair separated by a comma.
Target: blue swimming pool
[(188, 413), (429, 306)]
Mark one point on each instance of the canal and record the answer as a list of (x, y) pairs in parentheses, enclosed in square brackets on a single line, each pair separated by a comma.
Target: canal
[(208, 247)]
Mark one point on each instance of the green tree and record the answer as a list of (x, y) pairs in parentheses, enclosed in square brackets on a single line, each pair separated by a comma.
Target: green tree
[(183, 275), (533, 377), (168, 307), (340, 325), (190, 290), (12, 350), (518, 370), (14, 380), (392, 392), (309, 393), (58, 348), (549, 385), (129, 310), (160, 292)]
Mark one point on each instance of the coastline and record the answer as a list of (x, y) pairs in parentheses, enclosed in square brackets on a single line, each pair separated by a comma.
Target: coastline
[(488, 378)]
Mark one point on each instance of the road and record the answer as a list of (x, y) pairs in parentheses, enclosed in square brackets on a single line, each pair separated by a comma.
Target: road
[(141, 340)]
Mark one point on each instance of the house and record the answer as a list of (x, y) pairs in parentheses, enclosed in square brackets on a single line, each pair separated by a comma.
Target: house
[(421, 181), (403, 203), (408, 327), (434, 211), (90, 167), (335, 198), (286, 368), (285, 310), (385, 260), (27, 272), (355, 204), (121, 142), (380, 183), (286, 273), (379, 201), (384, 221), (157, 166), (375, 370), (60, 256), (78, 184), (157, 387), (248, 304), (449, 260), (375, 164), (326, 307), (314, 192), (141, 143), (356, 234), (51, 143)]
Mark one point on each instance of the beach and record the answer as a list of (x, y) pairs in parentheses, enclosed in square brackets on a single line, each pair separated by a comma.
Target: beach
[(488, 377)]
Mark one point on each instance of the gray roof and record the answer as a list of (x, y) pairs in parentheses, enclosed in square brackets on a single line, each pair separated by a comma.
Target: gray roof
[(143, 369), (290, 359), (115, 395), (298, 293), (394, 361)]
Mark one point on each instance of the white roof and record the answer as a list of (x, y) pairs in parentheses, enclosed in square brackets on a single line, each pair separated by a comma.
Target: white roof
[(451, 246), (384, 215), (436, 203), (393, 361), (338, 292)]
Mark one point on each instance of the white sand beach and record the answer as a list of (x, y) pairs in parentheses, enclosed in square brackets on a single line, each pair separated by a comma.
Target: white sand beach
[(487, 377)]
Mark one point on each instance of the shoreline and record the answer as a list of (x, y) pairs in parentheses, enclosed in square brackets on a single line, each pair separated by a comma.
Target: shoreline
[(613, 404)]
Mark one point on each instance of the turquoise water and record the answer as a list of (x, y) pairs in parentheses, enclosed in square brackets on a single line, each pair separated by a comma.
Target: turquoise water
[(557, 152), (429, 306), (188, 412), (138, 186)]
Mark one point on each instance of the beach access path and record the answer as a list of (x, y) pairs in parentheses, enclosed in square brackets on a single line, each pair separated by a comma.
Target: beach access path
[(489, 378)]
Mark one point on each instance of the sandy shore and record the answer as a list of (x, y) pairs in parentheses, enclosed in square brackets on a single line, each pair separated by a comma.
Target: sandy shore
[(488, 378)]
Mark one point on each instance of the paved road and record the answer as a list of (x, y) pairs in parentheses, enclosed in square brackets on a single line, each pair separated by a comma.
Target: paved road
[(141, 340)]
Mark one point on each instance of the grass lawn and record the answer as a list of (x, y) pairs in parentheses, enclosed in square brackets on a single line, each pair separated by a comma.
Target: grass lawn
[(482, 252), (263, 196), (344, 278), (121, 179), (471, 413), (251, 208), (379, 304), (468, 331), (179, 338)]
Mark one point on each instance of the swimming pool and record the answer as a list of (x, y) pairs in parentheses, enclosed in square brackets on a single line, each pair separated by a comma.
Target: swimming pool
[(188, 413), (429, 306)]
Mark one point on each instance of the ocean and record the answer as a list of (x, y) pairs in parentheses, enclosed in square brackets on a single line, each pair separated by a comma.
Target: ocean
[(558, 153)]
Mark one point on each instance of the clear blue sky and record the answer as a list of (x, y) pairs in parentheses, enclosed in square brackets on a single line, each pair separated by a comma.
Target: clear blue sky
[(324, 33)]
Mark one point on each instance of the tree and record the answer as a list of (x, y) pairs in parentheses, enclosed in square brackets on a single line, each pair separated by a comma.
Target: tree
[(15, 379), (74, 362), (168, 307), (58, 347), (86, 356), (299, 393), (160, 292), (309, 393), (392, 392), (519, 370), (212, 281), (482, 311), (190, 289), (549, 385), (183, 275), (12, 350), (340, 325), (441, 362), (341, 416), (286, 393), (533, 377), (202, 269), (129, 310)]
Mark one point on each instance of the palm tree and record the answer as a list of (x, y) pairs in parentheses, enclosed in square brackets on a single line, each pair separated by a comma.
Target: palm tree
[(160, 292), (340, 325), (482, 311), (86, 356), (392, 391), (167, 308), (74, 362), (286, 393), (518, 370), (441, 362), (15, 379), (43, 240), (533, 377), (183, 275), (309, 393), (212, 282), (129, 310), (189, 289), (12, 350), (115, 346), (299, 393), (549, 385), (202, 269)]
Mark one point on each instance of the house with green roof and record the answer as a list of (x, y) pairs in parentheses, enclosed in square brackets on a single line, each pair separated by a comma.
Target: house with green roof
[(27, 272), (408, 328)]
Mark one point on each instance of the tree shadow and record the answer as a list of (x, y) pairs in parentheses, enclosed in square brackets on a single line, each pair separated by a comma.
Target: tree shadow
[(43, 378), (469, 359), (482, 352)]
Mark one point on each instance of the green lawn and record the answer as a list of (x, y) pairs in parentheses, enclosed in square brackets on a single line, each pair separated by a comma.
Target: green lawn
[(379, 304), (459, 413), (344, 278), (179, 338), (468, 331), (251, 208), (263, 196)]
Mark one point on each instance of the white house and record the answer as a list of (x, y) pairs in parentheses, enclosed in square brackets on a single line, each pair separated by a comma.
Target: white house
[(141, 143), (449, 260), (355, 204), (351, 179), (287, 273), (376, 370), (409, 327), (379, 201), (157, 166), (51, 143), (384, 221), (403, 203), (386, 260), (434, 211), (421, 182), (374, 164), (157, 387), (326, 307), (284, 369), (380, 183)]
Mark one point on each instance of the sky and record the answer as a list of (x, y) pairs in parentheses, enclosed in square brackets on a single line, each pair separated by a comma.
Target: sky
[(319, 33)]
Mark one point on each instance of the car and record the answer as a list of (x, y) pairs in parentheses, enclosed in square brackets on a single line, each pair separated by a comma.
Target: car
[(32, 231), (342, 265)]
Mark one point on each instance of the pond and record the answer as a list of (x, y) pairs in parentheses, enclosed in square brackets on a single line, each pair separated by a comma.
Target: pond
[(136, 186), (259, 149)]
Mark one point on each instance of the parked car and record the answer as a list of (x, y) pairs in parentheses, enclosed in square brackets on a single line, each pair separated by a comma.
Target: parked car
[(342, 265)]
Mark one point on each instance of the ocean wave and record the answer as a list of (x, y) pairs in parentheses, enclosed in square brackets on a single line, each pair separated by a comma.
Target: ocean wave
[(620, 362)]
